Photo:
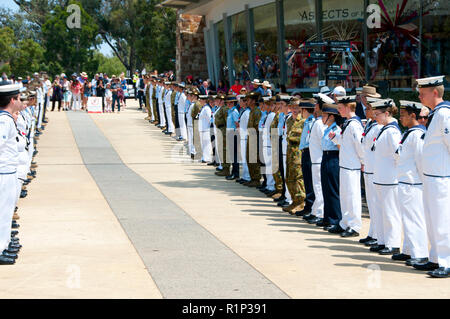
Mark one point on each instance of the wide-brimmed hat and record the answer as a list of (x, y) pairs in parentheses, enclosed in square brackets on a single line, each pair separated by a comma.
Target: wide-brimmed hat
[(266, 84), (231, 98), (370, 91), (84, 74), (307, 103), (330, 108), (253, 95), (256, 81)]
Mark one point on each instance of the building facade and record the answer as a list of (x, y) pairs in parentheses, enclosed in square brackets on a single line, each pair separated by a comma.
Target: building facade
[(303, 44)]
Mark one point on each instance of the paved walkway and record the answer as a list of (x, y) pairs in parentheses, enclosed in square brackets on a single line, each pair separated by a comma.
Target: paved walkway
[(117, 212)]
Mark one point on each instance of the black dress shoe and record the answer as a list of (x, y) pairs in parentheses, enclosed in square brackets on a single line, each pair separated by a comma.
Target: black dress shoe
[(271, 193), (428, 266), (389, 251), (376, 248), (313, 220), (192, 156), (6, 261), (328, 227), (322, 223), (8, 255), (441, 272), (231, 177), (14, 246), (284, 204), (349, 233), (23, 194), (262, 186), (280, 199), (370, 243), (15, 224), (365, 240), (211, 163), (413, 261), (14, 232), (308, 216), (401, 257), (11, 250), (203, 162), (303, 212), (219, 169), (336, 229)]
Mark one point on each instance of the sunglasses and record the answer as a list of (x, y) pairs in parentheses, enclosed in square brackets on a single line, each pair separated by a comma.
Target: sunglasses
[(422, 117)]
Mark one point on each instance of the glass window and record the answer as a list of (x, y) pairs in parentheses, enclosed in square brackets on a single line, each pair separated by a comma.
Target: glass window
[(394, 47), (300, 26), (222, 52), (266, 57), (239, 43), (343, 21), (436, 38)]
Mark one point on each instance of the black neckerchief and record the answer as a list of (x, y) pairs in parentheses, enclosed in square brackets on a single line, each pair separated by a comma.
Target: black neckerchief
[(414, 128), (392, 124), (445, 104), (347, 122)]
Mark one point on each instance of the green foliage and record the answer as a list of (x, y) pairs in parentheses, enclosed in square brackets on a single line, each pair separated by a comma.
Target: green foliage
[(7, 50), (28, 58), (69, 47), (108, 65)]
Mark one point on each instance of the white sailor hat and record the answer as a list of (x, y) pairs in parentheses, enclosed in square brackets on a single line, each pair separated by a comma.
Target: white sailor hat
[(167, 83), (372, 99), (266, 98), (10, 89), (415, 106), (346, 99), (339, 91), (182, 85), (204, 97), (322, 97), (325, 90), (430, 82), (382, 104)]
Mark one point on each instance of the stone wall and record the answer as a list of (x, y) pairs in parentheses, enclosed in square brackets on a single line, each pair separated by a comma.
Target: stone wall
[(191, 53)]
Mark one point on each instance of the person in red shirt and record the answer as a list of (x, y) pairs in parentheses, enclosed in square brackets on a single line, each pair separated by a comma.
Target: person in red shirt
[(236, 87)]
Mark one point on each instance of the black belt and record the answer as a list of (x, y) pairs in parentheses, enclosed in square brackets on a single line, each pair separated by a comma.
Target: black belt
[(305, 149), (330, 152)]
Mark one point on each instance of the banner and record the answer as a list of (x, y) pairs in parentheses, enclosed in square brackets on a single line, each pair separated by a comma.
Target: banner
[(94, 104)]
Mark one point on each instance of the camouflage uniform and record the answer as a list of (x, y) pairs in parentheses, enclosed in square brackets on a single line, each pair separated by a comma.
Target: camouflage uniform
[(254, 168), (147, 102), (220, 120), (155, 105), (277, 174), (195, 114), (294, 176)]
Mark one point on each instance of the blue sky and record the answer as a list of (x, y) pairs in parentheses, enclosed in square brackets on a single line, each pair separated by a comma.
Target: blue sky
[(104, 48)]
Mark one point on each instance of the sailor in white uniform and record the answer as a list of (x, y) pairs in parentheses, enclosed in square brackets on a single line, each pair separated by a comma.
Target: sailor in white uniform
[(243, 135), (385, 179), (409, 168), (160, 97), (181, 113), (168, 108), (204, 128), (350, 160), (315, 152), (371, 131), (9, 104), (436, 176)]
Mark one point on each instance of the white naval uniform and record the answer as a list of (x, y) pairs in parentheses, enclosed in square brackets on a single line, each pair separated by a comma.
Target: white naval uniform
[(181, 115), (350, 158), (204, 128), (385, 179), (168, 109), (8, 176), (436, 183), (409, 168), (370, 133), (162, 119), (218, 159), (284, 145), (315, 152), (243, 135), (190, 128), (267, 151), (40, 102)]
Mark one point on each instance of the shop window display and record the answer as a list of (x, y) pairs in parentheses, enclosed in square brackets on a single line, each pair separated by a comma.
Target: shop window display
[(239, 44)]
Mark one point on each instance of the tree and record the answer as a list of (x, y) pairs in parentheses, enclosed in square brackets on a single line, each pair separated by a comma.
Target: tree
[(69, 47), (109, 65), (28, 58), (7, 50)]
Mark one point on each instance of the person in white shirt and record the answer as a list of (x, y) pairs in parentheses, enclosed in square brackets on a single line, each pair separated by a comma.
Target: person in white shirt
[(409, 168), (243, 135), (10, 104), (315, 151), (350, 161), (436, 176), (204, 127), (160, 95), (385, 178), (168, 109), (181, 113)]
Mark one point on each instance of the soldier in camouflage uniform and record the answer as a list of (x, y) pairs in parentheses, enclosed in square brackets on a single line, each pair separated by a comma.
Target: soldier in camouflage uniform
[(294, 176), (220, 121), (252, 127), (147, 98), (155, 105), (276, 175)]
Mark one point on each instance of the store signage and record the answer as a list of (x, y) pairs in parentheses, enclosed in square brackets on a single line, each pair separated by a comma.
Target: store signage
[(316, 43), (339, 72), (318, 55), (318, 60), (337, 77), (345, 44)]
